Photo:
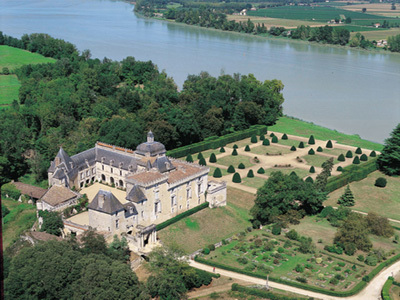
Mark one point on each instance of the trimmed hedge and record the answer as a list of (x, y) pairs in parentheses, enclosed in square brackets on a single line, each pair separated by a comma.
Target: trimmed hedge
[(284, 137), (217, 141), (372, 154), (311, 140), (202, 162), (266, 142), (339, 169), (200, 155), (319, 149), (217, 173), (261, 171), (341, 157), (261, 293), (274, 139), (189, 158), (262, 137), (236, 178), (356, 160), (349, 154), (301, 145), (351, 173), (181, 216), (386, 288), (234, 152), (309, 179), (358, 150), (235, 146), (272, 134), (247, 148), (241, 166), (293, 148), (363, 157), (312, 169), (222, 150), (231, 169), (329, 144), (311, 151), (213, 158), (380, 182), (253, 139), (380, 267), (250, 174)]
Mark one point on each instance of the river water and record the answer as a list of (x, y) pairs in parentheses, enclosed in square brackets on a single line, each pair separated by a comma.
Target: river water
[(351, 91)]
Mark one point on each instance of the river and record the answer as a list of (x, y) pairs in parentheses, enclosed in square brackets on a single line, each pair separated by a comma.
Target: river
[(352, 91)]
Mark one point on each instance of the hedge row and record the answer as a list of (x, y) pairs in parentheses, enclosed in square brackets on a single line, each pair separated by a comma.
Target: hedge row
[(386, 288), (352, 292), (261, 293), (181, 216), (217, 142), (351, 173)]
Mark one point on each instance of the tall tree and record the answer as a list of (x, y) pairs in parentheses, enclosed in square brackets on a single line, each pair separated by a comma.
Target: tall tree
[(347, 199), (389, 160)]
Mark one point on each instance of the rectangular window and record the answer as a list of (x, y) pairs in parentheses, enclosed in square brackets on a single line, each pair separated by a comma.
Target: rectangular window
[(82, 175), (156, 195), (199, 189), (111, 170), (116, 224), (88, 173), (189, 193), (157, 207), (173, 200), (120, 173), (102, 167), (93, 170)]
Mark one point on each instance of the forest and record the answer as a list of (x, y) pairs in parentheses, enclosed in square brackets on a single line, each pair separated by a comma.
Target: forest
[(78, 100)]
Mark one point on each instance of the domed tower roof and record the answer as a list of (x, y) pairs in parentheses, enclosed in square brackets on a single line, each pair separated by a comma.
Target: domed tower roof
[(150, 148)]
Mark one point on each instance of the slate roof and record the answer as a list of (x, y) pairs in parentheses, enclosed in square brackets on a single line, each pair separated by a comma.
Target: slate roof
[(58, 194), (151, 148), (109, 205), (118, 158), (30, 190), (136, 195)]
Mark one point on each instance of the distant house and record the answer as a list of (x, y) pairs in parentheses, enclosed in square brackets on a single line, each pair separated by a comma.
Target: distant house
[(243, 12), (34, 192), (377, 25), (57, 198)]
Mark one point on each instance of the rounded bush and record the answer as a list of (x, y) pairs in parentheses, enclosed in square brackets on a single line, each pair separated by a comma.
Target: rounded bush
[(293, 148), (301, 145), (234, 152), (266, 142), (311, 151), (276, 229), (311, 140), (372, 154), (241, 166), (363, 157), (272, 134), (231, 169), (356, 160), (235, 146), (341, 157), (247, 148), (261, 171), (309, 179), (284, 137), (349, 154), (236, 178), (189, 158), (262, 137), (213, 158), (202, 162), (319, 149), (274, 139), (250, 174), (312, 169), (380, 182), (293, 173), (200, 155), (217, 173), (358, 150), (253, 139), (206, 251), (339, 169), (329, 144), (222, 150)]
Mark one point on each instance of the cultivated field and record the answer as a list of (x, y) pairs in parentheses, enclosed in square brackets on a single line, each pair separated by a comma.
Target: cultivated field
[(379, 35), (270, 22), (382, 9)]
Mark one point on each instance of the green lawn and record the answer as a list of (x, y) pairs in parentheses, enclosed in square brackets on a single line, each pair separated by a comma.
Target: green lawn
[(317, 160), (255, 182), (300, 172), (272, 149), (235, 161), (334, 151), (9, 87), (305, 129), (241, 143), (212, 169), (13, 58), (290, 142)]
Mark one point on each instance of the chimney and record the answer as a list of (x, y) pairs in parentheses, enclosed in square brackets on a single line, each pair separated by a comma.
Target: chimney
[(150, 137), (57, 161), (101, 200)]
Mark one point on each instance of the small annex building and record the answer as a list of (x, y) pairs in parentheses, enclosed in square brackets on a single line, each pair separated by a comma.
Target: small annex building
[(57, 198)]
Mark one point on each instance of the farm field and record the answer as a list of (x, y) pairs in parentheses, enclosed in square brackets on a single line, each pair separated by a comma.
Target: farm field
[(270, 22), (379, 35), (382, 9), (9, 87), (13, 58)]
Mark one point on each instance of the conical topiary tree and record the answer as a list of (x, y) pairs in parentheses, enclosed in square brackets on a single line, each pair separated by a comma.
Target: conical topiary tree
[(311, 151), (293, 148), (222, 150), (358, 150), (200, 155), (284, 136), (309, 179), (319, 149), (372, 154), (293, 173), (250, 174), (262, 137), (231, 169), (213, 158), (189, 158), (234, 152), (274, 139), (329, 144), (236, 178), (217, 173), (364, 157), (253, 139), (341, 157), (235, 146), (272, 134), (356, 160), (347, 199), (202, 162), (266, 142), (301, 145), (312, 169), (311, 140), (349, 154), (241, 166), (339, 169), (247, 148), (261, 171)]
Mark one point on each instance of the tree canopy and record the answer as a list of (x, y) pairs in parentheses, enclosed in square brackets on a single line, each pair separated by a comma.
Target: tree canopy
[(389, 160)]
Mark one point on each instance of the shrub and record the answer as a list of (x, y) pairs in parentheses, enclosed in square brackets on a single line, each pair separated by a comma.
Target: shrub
[(318, 260), (358, 150), (241, 166), (312, 169), (242, 260), (276, 229), (206, 251), (200, 155), (231, 169), (311, 140), (262, 137), (363, 157), (299, 268), (301, 279), (341, 157), (235, 146), (334, 249), (371, 260), (350, 249), (236, 178), (250, 174), (301, 145), (339, 169), (222, 150), (380, 182), (274, 139), (189, 158), (202, 162), (281, 250), (266, 142), (311, 151), (349, 154), (372, 154), (10, 190), (360, 258), (329, 144), (261, 171), (293, 148), (213, 158), (334, 281), (253, 139), (292, 235), (356, 160), (287, 244), (272, 134), (247, 148), (234, 152), (339, 277), (284, 137), (211, 247), (217, 173), (309, 179), (319, 149)]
